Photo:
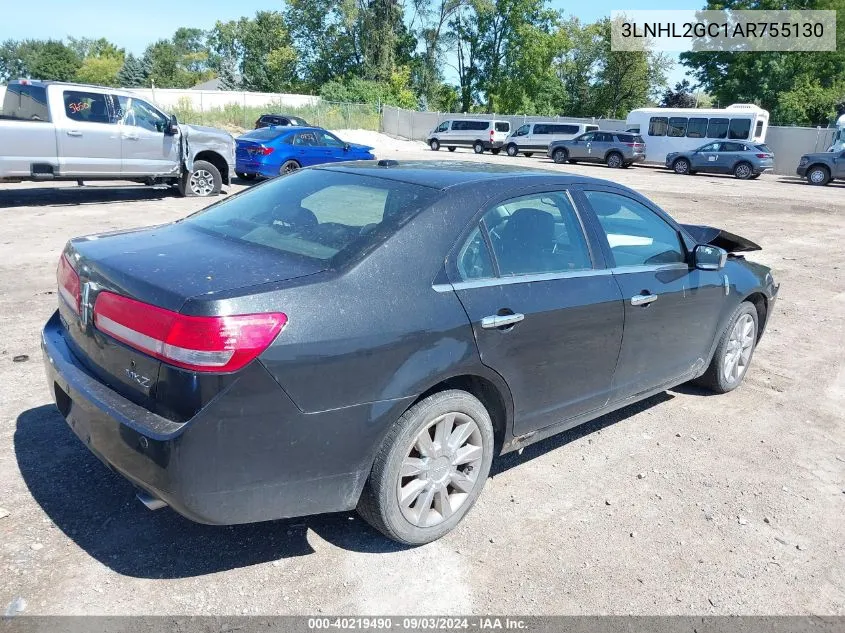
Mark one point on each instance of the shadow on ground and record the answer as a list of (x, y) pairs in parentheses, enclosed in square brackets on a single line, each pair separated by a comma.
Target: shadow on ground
[(52, 196), (97, 508)]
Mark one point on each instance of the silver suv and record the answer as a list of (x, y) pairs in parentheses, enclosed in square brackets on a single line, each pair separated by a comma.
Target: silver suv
[(616, 149)]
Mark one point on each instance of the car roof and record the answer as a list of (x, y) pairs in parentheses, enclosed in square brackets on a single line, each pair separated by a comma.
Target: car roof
[(287, 116), (444, 174)]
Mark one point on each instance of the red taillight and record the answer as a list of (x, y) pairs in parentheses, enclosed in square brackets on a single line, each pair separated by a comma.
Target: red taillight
[(68, 280), (197, 343), (763, 156), (265, 151), (491, 135)]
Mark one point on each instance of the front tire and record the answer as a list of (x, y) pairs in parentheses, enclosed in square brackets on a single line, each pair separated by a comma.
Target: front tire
[(434, 144), (818, 175), (204, 180), (529, 154), (681, 166), (451, 149), (495, 152), (478, 147), (512, 150), (560, 155), (430, 469), (733, 353)]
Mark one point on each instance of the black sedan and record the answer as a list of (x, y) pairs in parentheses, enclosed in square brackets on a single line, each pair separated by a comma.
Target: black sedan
[(370, 335)]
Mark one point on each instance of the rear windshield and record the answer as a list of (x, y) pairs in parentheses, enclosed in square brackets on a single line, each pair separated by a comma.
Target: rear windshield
[(25, 103), (264, 134), (322, 215)]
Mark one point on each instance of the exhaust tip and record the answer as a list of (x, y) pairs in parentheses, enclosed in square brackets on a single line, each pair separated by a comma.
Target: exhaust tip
[(152, 503)]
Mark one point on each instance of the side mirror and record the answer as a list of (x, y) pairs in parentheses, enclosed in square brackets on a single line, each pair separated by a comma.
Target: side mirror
[(346, 147), (709, 257), (172, 128)]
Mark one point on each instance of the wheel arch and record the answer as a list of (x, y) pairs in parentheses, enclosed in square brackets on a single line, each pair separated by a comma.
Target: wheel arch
[(761, 303), (210, 156)]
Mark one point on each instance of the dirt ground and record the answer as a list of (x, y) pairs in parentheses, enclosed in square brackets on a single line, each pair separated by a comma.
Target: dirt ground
[(683, 504)]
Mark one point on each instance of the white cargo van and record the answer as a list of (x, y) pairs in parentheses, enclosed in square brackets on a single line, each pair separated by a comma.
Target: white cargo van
[(536, 137), (479, 134)]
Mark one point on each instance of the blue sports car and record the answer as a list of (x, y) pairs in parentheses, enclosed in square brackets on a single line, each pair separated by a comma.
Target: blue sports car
[(271, 151)]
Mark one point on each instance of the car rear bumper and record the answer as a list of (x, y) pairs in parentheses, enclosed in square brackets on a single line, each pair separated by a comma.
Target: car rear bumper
[(635, 158), (249, 455)]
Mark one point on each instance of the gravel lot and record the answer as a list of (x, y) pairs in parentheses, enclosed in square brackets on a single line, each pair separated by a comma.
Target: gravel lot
[(683, 504)]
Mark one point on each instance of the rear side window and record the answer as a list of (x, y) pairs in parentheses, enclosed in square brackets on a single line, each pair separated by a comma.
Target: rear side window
[(25, 103), (535, 234), (764, 148), (565, 129), (624, 138), (263, 134), (758, 129), (590, 128), (320, 215), (86, 107), (638, 139), (733, 147), (541, 128), (657, 126), (478, 125), (503, 126), (603, 137)]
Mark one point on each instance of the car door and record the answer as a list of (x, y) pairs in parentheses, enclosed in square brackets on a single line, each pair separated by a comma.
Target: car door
[(89, 137), (307, 149), (335, 148), (729, 155), (580, 146), (146, 150), (672, 309), (546, 313), (600, 145), (838, 170), (705, 158)]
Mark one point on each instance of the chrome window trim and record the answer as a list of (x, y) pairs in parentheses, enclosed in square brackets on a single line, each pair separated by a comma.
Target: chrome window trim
[(567, 274)]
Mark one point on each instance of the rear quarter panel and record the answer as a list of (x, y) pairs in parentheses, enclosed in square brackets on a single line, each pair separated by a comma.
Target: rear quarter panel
[(24, 143)]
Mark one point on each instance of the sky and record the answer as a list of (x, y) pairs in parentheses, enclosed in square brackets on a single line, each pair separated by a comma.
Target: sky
[(135, 25)]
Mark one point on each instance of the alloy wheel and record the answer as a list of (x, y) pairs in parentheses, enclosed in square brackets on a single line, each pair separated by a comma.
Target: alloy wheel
[(201, 183), (440, 469), (743, 171), (738, 351)]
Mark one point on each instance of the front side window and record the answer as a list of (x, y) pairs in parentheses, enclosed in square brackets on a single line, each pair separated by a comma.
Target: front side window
[(537, 233), (321, 215), (657, 126), (523, 130), (137, 113), (589, 136), (697, 128), (86, 107), (442, 127), (717, 128), (739, 129), (712, 147), (636, 235), (330, 140), (677, 126)]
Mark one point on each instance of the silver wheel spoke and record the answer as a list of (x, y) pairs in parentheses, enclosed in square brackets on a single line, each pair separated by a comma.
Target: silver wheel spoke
[(460, 435), (413, 466), (466, 454), (424, 444), (409, 493), (442, 430), (423, 505), (442, 503)]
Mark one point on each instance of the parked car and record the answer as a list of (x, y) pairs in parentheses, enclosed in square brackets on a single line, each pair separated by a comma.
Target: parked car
[(822, 168), (744, 160), (479, 134), (369, 335), (60, 131), (271, 151), (615, 149), (268, 120), (535, 137)]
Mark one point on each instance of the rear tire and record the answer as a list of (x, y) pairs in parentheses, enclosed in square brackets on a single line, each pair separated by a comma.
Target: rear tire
[(681, 166), (434, 144), (614, 160), (422, 468), (288, 167), (529, 154), (733, 354), (818, 175), (451, 149), (743, 171), (495, 152), (560, 155), (512, 150), (204, 180), (478, 147)]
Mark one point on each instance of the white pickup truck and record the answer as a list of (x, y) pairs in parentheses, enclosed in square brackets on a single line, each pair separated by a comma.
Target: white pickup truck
[(60, 131)]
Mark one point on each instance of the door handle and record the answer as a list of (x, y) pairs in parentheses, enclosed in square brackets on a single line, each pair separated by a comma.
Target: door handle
[(643, 300), (74, 133), (500, 320), (131, 137)]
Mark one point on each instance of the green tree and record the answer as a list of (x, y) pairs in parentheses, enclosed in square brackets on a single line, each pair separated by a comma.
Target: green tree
[(132, 74), (101, 71), (680, 97), (16, 58), (54, 61), (777, 81), (229, 77)]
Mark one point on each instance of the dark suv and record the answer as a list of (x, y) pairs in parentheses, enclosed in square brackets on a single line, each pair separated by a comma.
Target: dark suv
[(616, 149), (268, 120), (821, 168)]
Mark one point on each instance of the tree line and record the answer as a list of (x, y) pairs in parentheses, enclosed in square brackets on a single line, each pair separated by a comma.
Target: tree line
[(505, 56)]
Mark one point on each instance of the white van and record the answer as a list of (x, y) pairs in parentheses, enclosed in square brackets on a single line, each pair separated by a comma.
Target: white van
[(479, 134), (536, 137), (668, 130)]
